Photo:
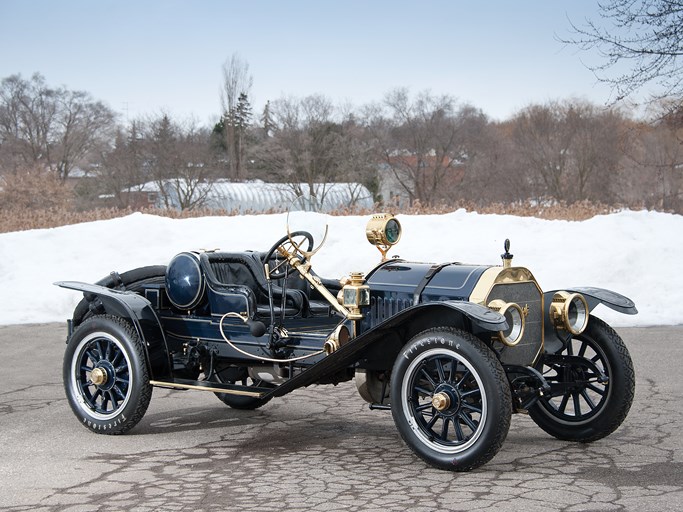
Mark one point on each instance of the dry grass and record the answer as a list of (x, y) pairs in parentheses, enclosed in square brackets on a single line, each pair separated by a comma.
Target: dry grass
[(575, 211), (23, 218)]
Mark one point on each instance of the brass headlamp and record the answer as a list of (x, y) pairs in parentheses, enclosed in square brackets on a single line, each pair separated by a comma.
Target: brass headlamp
[(514, 315), (569, 311)]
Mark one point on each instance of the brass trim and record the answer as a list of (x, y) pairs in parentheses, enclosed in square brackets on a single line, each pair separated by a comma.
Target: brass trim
[(501, 275), (441, 401), (559, 311), (503, 307), (360, 291), (315, 283), (486, 282), (306, 254), (98, 376), (375, 232), (375, 229), (337, 339), (174, 385)]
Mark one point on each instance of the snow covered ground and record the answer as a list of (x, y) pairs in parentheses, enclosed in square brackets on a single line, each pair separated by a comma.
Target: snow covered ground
[(634, 253)]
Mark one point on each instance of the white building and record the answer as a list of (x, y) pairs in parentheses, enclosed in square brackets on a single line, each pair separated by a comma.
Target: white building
[(257, 196)]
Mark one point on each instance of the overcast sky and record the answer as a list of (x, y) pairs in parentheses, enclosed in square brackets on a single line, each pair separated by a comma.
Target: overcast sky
[(142, 56)]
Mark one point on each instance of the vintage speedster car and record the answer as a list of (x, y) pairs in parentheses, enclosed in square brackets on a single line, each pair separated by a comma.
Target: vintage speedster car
[(451, 349)]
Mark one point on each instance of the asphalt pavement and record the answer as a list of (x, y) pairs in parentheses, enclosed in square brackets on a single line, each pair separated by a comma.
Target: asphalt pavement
[(319, 448)]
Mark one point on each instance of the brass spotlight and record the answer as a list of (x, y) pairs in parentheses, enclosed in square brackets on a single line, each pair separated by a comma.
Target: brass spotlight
[(383, 231)]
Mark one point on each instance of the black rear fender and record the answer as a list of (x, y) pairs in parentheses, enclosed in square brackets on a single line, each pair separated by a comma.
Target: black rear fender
[(139, 312), (131, 280)]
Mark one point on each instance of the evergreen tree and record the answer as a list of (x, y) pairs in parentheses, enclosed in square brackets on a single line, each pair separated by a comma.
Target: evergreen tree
[(267, 121), (238, 120), (242, 116)]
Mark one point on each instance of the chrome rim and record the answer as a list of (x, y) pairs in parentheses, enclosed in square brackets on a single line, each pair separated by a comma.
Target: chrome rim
[(101, 376), (444, 401)]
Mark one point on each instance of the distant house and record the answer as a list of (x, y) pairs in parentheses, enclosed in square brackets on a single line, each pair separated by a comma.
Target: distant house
[(147, 195)]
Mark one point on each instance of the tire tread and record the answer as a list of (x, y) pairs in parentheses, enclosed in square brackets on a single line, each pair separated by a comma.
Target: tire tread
[(145, 394), (501, 424)]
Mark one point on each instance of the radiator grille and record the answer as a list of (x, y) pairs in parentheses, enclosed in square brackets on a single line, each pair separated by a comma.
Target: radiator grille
[(382, 308), (528, 296)]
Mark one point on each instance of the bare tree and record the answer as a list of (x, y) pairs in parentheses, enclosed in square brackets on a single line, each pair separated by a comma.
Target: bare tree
[(654, 172), (571, 149), (302, 146), (27, 114), (496, 175), (178, 158), (642, 36), (123, 168), (57, 128), (425, 142), (312, 145), (83, 127)]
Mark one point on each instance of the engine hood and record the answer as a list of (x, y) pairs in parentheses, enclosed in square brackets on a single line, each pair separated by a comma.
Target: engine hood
[(397, 285), (425, 282)]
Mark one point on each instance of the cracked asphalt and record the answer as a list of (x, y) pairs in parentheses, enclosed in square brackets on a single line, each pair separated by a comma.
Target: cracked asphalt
[(319, 448)]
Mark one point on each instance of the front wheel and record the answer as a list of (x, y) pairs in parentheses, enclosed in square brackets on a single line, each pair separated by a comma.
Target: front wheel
[(105, 375), (450, 399), (580, 407)]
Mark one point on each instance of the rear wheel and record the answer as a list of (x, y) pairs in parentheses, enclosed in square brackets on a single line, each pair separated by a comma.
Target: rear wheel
[(239, 375), (579, 406), (450, 399), (105, 375)]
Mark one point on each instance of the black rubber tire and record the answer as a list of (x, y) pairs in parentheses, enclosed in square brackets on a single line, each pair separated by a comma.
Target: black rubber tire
[(240, 376), (477, 373), (118, 404), (131, 280), (611, 355)]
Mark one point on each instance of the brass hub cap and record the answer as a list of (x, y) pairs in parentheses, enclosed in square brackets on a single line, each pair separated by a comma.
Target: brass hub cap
[(98, 376), (441, 401)]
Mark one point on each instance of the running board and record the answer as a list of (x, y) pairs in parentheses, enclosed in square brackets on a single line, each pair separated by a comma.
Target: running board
[(214, 387)]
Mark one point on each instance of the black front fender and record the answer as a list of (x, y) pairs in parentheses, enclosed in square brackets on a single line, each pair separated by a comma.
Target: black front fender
[(556, 339), (357, 349), (595, 296), (485, 318), (140, 313)]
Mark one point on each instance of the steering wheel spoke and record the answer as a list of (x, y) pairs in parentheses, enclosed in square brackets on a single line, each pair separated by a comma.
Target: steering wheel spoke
[(288, 245)]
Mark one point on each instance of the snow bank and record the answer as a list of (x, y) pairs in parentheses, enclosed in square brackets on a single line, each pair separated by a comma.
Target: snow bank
[(633, 253)]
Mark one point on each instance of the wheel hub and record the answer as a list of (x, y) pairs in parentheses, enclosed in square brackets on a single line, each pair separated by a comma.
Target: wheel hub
[(446, 400), (103, 376), (441, 401), (98, 376)]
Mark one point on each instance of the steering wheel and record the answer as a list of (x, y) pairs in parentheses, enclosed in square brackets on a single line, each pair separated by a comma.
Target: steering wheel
[(282, 268)]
